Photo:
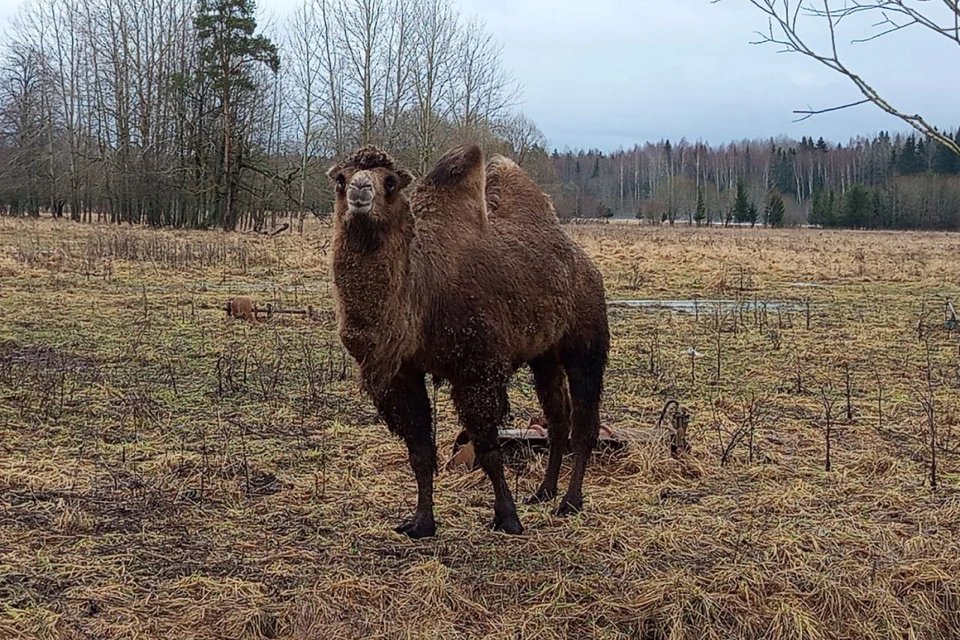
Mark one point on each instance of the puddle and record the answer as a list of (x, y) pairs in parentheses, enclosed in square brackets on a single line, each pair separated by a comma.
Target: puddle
[(703, 305)]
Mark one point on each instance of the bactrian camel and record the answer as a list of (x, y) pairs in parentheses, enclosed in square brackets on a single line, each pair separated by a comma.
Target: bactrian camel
[(467, 278)]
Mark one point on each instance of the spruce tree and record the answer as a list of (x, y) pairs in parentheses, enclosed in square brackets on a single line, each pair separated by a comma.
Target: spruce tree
[(741, 205), (831, 217), (817, 215), (945, 161), (857, 207), (775, 210), (908, 161), (701, 213)]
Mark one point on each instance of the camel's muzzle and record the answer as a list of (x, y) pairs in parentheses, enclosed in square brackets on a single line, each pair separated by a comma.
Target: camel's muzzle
[(360, 194), (360, 205)]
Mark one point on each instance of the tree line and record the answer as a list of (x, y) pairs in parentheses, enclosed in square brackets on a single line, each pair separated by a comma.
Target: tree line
[(885, 182), (188, 113)]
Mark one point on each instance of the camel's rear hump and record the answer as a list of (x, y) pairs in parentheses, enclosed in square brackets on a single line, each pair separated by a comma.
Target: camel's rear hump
[(511, 193)]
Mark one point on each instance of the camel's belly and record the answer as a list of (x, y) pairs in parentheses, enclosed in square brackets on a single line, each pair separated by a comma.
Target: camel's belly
[(480, 344)]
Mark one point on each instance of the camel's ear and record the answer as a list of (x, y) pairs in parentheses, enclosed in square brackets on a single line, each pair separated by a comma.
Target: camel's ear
[(334, 170), (405, 178)]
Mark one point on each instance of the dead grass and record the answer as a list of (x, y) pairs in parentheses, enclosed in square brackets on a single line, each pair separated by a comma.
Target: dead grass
[(165, 472)]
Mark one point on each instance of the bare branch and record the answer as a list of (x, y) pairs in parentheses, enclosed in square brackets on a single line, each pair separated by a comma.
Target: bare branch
[(809, 113), (782, 31)]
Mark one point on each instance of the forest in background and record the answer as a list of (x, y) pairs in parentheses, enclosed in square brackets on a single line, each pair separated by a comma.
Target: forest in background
[(190, 114), (884, 182)]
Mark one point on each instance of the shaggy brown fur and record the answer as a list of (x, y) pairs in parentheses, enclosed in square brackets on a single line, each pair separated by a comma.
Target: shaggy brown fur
[(469, 279), (242, 307)]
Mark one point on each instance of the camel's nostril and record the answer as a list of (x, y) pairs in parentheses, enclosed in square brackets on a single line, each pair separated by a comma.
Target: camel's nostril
[(360, 193)]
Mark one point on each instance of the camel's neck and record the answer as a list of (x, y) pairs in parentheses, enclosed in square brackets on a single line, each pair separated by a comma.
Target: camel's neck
[(375, 295)]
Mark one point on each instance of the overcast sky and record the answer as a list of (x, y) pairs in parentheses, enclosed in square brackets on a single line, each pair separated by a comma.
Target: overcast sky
[(610, 73)]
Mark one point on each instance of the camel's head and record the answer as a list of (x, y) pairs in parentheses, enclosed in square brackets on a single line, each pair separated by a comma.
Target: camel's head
[(369, 185)]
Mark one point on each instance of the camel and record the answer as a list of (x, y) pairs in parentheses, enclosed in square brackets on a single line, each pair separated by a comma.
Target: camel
[(467, 278)]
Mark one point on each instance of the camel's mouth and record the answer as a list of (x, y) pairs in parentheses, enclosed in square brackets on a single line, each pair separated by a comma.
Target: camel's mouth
[(360, 205)]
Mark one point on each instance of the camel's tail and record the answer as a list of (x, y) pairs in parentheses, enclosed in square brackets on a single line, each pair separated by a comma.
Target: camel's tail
[(455, 187), (511, 193)]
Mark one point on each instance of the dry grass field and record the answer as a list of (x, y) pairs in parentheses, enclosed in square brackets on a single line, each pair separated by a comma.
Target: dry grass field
[(168, 473)]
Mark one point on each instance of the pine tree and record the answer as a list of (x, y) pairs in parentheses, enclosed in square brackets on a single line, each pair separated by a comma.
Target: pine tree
[(775, 211), (228, 50), (752, 214), (701, 213), (741, 205)]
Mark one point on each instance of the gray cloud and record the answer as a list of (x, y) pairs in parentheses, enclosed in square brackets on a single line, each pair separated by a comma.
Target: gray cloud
[(610, 73)]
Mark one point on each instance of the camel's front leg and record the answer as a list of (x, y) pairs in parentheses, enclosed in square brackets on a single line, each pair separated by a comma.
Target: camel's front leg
[(482, 409), (406, 409)]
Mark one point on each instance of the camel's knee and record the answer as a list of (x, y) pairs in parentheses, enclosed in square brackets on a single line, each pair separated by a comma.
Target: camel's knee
[(405, 407), (481, 407), (585, 437)]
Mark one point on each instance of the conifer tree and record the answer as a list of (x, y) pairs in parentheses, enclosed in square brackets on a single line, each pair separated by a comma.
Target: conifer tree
[(229, 49), (741, 205), (775, 210)]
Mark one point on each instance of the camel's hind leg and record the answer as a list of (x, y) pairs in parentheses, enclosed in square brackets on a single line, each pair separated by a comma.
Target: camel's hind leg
[(584, 369), (551, 385), (482, 409)]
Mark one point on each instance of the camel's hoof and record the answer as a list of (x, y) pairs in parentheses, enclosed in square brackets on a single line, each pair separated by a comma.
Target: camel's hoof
[(507, 524), (418, 528), (569, 507), (543, 494)]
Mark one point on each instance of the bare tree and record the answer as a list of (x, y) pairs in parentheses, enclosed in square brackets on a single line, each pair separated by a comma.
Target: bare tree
[(398, 72), (172, 112), (305, 73), (434, 36), (939, 18), (362, 22), (481, 90), (522, 135)]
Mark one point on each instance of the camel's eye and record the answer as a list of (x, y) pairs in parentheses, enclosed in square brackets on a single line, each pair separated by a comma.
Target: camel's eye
[(341, 182), (391, 184)]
